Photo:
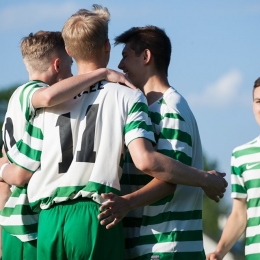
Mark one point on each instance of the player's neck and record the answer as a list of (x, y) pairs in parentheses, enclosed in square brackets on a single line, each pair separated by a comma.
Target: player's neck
[(154, 88), (85, 67)]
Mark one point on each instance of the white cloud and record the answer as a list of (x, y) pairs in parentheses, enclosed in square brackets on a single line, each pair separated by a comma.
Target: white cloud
[(29, 15), (223, 92)]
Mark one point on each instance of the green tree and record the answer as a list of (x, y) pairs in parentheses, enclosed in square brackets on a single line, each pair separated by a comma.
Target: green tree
[(211, 209)]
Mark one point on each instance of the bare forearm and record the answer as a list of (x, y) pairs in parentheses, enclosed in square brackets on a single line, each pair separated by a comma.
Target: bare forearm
[(5, 192), (15, 175), (150, 193), (169, 170), (66, 89), (233, 230), (235, 226), (172, 171)]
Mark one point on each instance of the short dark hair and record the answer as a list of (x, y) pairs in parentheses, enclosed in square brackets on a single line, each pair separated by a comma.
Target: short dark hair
[(152, 38), (256, 85)]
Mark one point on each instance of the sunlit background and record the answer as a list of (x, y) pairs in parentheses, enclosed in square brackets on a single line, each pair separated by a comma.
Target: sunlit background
[(215, 56)]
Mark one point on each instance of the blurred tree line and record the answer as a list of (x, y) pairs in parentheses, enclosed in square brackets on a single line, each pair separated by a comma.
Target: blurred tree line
[(4, 98)]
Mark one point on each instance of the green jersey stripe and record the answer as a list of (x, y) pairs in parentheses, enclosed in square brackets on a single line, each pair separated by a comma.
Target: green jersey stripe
[(100, 188), (24, 97), (236, 171), (156, 117), (34, 131), (72, 191), (238, 188), (166, 216), (18, 191), (247, 151), (25, 149), (137, 124), (21, 230), (252, 256), (178, 155), (163, 201), (172, 215), (171, 134), (138, 107), (255, 183), (17, 210), (254, 202), (177, 256), (253, 222), (255, 239), (180, 236)]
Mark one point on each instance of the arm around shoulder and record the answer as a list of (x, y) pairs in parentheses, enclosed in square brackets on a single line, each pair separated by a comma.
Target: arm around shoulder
[(70, 87)]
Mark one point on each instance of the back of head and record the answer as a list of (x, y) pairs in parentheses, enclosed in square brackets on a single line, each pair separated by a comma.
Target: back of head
[(39, 49), (86, 31), (152, 38)]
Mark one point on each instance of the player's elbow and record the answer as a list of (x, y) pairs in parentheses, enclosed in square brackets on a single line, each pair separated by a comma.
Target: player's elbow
[(46, 99), (21, 179), (143, 163)]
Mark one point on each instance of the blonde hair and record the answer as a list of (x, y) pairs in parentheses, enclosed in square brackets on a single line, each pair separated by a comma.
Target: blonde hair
[(38, 49), (86, 31)]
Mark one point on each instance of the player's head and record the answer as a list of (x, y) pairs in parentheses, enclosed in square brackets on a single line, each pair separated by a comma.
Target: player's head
[(150, 38), (256, 100), (44, 53), (86, 34)]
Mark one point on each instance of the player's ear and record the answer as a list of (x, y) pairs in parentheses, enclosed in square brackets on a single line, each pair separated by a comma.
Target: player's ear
[(107, 46), (147, 56), (56, 65)]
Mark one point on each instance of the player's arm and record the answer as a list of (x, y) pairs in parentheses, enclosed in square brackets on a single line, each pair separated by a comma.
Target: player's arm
[(161, 167), (70, 87), (13, 174), (116, 208), (4, 195), (233, 229), (166, 169)]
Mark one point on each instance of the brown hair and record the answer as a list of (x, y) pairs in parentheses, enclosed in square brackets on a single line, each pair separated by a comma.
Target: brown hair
[(152, 38), (38, 49), (86, 31)]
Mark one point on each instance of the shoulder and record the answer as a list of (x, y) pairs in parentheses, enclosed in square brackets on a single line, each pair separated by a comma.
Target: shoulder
[(253, 143), (123, 91)]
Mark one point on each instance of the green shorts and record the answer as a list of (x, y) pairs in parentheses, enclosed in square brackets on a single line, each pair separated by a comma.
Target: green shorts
[(14, 249), (71, 230)]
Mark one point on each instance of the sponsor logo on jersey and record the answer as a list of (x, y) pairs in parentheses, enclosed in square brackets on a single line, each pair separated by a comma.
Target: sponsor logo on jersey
[(250, 166)]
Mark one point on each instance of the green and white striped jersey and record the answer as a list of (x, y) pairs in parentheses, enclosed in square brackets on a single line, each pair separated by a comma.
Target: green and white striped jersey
[(245, 181), (17, 218), (172, 227), (84, 144)]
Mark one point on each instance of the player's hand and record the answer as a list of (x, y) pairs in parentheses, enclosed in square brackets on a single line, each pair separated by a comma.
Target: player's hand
[(216, 185), (114, 210), (116, 76), (214, 256)]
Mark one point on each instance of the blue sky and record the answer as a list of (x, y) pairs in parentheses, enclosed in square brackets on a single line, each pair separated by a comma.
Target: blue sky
[(214, 63)]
